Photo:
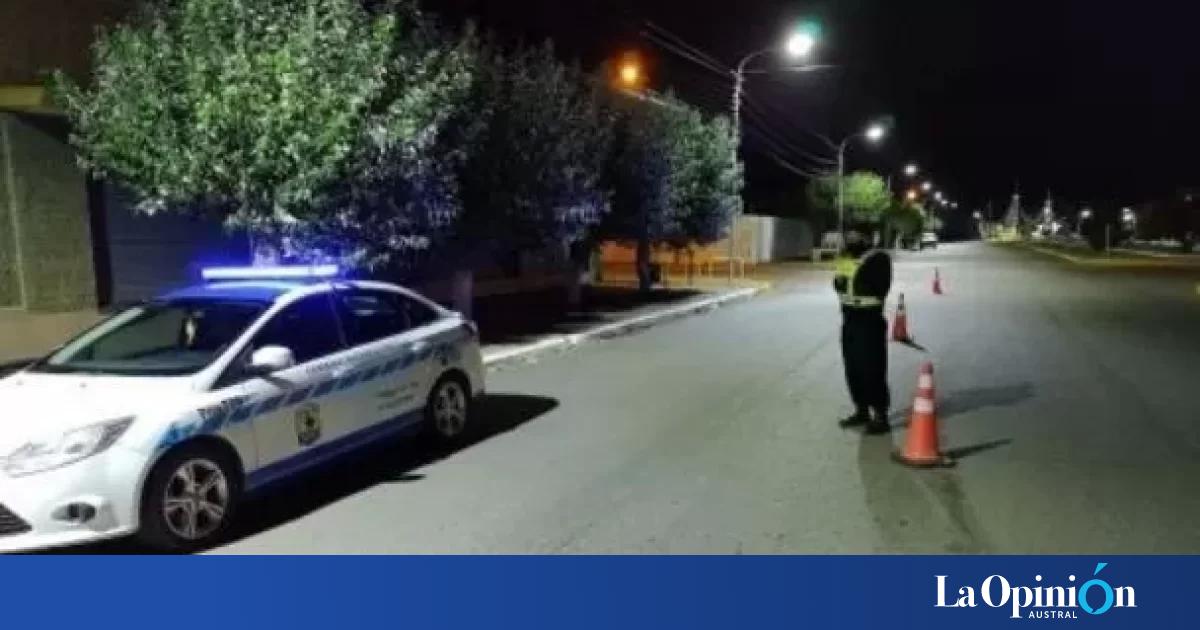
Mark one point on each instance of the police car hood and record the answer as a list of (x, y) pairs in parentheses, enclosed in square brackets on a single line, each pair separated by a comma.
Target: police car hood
[(34, 405)]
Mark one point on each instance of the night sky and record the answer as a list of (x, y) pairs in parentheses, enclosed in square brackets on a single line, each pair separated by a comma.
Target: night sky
[(1097, 102)]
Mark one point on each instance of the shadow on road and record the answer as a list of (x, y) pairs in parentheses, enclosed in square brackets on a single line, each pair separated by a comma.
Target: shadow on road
[(965, 400), (916, 511), (394, 462), (967, 451)]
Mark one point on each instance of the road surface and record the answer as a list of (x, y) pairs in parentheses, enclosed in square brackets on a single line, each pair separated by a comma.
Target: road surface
[(1070, 396)]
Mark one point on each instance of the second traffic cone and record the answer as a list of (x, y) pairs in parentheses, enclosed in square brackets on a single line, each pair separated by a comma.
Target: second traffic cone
[(937, 281), (921, 445), (900, 323)]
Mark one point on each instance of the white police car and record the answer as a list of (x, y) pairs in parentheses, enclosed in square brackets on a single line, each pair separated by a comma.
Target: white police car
[(158, 419)]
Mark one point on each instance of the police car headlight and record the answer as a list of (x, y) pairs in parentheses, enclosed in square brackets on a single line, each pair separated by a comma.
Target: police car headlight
[(56, 451)]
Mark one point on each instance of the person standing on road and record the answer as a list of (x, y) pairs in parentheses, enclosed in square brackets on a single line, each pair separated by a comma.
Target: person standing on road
[(862, 281)]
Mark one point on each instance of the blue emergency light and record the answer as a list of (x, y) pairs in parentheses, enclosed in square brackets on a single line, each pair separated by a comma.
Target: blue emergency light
[(272, 272)]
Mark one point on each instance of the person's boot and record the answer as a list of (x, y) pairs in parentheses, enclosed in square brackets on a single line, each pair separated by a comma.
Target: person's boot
[(860, 417), (878, 424)]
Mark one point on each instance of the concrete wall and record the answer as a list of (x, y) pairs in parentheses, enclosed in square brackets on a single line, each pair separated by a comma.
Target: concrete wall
[(759, 239), (46, 264)]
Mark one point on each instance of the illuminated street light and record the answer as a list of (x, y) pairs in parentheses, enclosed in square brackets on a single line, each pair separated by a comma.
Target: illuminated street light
[(911, 170), (937, 195), (631, 74), (912, 195), (801, 43), (1086, 214), (927, 186), (874, 133)]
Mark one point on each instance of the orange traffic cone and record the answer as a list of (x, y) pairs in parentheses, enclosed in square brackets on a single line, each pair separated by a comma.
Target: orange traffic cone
[(921, 446), (937, 282), (900, 323)]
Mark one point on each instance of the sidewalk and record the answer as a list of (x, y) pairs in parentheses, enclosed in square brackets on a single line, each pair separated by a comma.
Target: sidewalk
[(515, 326)]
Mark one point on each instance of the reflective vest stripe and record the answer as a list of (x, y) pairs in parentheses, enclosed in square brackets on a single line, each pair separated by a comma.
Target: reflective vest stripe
[(849, 267)]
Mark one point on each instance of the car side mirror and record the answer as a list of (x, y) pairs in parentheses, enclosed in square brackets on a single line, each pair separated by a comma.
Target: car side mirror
[(269, 360)]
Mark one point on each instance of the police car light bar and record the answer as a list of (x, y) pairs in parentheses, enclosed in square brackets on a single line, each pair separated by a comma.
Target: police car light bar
[(282, 272)]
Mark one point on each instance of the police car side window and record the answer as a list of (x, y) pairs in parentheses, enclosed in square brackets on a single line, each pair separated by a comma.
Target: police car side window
[(418, 313), (370, 315), (307, 327)]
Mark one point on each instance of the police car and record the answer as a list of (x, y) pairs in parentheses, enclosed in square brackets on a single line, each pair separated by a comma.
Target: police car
[(159, 419)]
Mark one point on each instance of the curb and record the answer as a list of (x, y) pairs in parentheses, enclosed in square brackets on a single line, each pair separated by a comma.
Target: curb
[(620, 327)]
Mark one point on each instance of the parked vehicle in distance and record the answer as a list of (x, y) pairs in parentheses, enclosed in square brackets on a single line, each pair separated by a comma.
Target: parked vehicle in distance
[(929, 240)]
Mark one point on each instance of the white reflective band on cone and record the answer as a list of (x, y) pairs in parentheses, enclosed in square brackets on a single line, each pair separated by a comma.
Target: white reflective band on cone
[(924, 381), (923, 405)]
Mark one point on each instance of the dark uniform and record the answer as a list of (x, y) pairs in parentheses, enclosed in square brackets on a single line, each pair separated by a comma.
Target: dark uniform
[(862, 285)]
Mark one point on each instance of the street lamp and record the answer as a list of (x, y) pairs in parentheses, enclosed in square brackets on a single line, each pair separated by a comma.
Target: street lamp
[(912, 195), (797, 46), (911, 170), (874, 133), (927, 186)]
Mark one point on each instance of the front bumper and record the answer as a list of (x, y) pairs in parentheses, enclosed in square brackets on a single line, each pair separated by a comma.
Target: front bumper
[(90, 500)]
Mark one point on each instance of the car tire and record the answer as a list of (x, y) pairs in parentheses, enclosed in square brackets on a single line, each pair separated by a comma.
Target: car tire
[(448, 410), (189, 499)]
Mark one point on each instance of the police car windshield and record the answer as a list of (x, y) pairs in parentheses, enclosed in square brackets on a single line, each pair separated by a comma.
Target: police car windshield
[(166, 338)]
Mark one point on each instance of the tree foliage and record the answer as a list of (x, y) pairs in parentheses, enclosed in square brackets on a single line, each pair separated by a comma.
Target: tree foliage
[(254, 109), (671, 174), (905, 219), (532, 173), (355, 130), (865, 198)]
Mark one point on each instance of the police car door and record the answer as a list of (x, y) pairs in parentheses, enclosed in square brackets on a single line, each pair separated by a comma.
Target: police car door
[(297, 412), (389, 354)]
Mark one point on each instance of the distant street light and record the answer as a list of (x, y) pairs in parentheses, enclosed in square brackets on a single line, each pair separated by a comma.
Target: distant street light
[(937, 195), (911, 170), (927, 186), (1086, 214), (875, 132), (912, 195)]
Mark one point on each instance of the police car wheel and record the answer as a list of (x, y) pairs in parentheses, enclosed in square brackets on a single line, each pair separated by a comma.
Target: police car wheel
[(189, 499), (448, 410)]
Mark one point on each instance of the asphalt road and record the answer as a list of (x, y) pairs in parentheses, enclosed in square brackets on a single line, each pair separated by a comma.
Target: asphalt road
[(1070, 396)]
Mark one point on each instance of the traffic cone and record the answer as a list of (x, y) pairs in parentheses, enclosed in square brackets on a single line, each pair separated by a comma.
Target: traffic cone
[(900, 323), (921, 445), (937, 282)]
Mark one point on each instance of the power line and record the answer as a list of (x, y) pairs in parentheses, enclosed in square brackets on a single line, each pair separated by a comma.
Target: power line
[(700, 54)]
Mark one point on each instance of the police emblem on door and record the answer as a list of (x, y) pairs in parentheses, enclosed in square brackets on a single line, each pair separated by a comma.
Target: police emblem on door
[(308, 424)]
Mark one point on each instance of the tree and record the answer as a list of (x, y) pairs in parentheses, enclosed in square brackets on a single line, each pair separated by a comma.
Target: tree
[(865, 199), (532, 176), (671, 177), (904, 220), (272, 114)]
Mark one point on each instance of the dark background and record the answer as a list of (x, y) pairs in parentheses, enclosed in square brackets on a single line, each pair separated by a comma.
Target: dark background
[(1095, 102)]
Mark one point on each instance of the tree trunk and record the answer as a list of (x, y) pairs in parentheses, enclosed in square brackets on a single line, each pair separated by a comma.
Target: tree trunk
[(577, 269), (645, 280), (463, 291)]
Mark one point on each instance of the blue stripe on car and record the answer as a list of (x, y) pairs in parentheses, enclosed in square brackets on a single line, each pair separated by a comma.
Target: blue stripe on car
[(329, 450), (248, 411)]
